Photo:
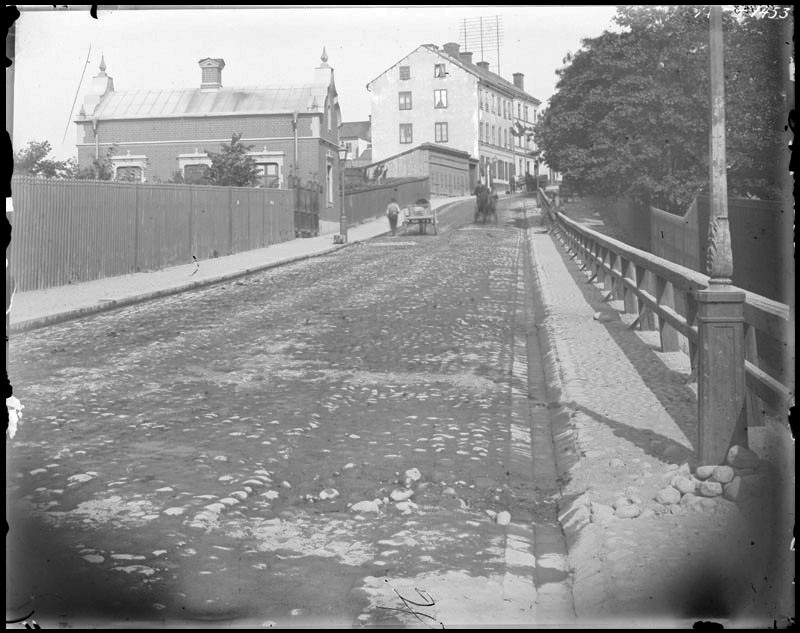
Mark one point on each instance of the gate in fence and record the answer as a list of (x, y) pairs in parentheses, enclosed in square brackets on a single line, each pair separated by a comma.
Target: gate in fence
[(306, 209)]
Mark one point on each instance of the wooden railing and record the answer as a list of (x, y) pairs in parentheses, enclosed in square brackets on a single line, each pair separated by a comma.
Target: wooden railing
[(649, 286)]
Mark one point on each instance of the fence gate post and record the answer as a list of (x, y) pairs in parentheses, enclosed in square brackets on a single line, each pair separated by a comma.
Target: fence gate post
[(720, 373)]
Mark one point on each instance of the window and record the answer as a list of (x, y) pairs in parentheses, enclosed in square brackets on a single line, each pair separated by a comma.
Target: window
[(129, 174), (439, 71), (405, 100), (329, 181), (268, 176), (406, 135), (519, 110), (441, 132), (505, 138), (525, 110), (194, 174), (440, 98), (480, 132), (493, 137), (405, 73), (505, 109)]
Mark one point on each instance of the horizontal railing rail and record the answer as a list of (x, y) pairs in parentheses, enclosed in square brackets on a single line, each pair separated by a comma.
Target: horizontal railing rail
[(648, 286)]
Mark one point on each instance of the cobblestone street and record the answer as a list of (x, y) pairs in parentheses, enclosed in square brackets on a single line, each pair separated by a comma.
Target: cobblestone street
[(307, 445)]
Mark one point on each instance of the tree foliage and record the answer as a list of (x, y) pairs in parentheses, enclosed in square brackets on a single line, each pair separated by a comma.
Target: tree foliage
[(631, 112), (32, 160), (232, 166)]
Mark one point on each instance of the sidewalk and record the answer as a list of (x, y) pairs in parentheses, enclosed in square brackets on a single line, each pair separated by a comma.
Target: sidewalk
[(625, 425), (39, 308)]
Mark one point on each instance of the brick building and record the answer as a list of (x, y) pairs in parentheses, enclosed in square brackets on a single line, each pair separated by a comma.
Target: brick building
[(437, 95), (293, 130)]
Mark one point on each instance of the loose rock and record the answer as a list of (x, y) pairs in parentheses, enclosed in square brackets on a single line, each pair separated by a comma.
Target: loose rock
[(401, 494), (704, 472), (628, 511), (620, 503), (413, 474), (733, 490), (722, 474), (366, 506), (669, 495), (689, 499), (329, 493), (602, 513), (682, 484), (710, 489), (503, 518)]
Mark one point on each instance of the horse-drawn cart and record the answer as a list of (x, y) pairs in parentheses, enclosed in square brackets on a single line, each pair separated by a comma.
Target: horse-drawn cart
[(421, 213)]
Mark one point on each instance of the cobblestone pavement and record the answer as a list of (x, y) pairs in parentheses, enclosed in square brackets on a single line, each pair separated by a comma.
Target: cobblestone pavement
[(307, 445), (632, 422)]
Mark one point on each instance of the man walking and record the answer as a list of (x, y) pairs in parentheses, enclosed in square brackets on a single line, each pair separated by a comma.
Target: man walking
[(392, 212)]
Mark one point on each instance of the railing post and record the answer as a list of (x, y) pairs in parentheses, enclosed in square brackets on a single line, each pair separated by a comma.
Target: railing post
[(629, 297), (720, 373), (720, 367), (669, 335)]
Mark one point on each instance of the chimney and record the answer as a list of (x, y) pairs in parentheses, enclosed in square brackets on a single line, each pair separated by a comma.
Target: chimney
[(451, 48), (466, 57), (211, 68), (483, 66), (519, 81)]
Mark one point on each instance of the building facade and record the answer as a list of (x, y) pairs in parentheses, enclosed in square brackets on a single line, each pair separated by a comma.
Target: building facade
[(451, 172), (356, 136), (166, 135), (437, 95)]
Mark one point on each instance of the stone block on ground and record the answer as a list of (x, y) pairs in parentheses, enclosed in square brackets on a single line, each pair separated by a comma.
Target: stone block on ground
[(741, 457)]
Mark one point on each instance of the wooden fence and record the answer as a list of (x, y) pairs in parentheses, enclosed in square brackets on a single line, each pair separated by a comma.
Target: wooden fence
[(67, 231), (647, 285)]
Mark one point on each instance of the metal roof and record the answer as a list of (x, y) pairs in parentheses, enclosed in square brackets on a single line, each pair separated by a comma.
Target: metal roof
[(152, 104)]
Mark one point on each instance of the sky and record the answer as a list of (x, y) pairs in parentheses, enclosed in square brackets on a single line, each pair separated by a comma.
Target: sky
[(149, 48)]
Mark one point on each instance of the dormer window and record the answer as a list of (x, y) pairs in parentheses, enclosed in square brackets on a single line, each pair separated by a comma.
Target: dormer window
[(439, 71)]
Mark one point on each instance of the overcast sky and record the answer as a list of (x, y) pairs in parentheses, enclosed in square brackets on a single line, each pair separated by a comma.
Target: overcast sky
[(149, 49)]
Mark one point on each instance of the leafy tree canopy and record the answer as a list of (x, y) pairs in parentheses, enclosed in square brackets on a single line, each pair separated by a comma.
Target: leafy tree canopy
[(232, 167), (631, 111), (32, 161)]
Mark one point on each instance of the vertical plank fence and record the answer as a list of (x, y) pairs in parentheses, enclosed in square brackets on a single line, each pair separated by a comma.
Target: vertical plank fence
[(70, 231)]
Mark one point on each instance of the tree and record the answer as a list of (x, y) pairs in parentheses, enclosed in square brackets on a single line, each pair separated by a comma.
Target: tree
[(631, 112), (232, 166), (32, 161), (101, 168)]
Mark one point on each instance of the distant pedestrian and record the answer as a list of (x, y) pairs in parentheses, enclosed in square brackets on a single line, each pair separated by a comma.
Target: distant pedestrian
[(393, 212)]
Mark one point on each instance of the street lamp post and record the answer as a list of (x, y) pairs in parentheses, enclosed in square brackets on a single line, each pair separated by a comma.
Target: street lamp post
[(342, 216)]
